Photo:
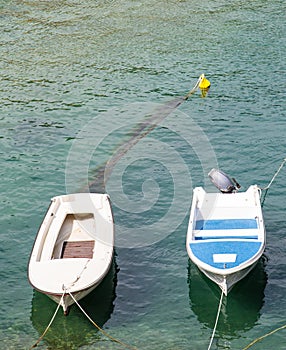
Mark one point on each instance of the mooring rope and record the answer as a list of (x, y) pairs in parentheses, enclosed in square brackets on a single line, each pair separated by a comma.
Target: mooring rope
[(99, 328), (216, 321), (277, 172), (50, 323), (263, 336), (262, 202), (270, 183)]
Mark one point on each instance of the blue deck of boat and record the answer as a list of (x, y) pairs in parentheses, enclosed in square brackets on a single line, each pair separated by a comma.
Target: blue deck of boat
[(236, 240), (226, 224), (244, 250)]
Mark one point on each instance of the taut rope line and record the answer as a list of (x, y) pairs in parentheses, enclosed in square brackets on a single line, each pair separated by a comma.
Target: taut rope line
[(263, 336), (49, 325), (216, 321), (262, 202), (99, 328), (270, 183), (277, 172)]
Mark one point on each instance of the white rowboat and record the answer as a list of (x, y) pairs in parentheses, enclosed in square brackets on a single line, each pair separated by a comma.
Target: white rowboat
[(73, 249), (226, 235)]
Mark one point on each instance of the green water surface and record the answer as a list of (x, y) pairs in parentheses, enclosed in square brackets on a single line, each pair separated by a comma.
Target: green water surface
[(76, 78)]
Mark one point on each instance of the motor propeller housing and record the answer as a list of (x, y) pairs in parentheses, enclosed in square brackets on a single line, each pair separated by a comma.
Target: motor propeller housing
[(223, 182)]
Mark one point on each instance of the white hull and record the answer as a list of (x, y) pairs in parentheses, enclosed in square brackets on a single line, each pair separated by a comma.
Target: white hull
[(226, 282), (67, 300), (73, 249), (226, 235)]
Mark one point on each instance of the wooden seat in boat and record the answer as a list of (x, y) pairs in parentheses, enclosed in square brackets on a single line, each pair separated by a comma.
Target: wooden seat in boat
[(77, 249)]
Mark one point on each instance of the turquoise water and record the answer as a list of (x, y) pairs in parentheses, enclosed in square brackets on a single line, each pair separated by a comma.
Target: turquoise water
[(76, 79)]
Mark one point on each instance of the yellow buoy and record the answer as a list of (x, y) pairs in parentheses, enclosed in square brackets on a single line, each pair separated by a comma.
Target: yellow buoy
[(205, 83)]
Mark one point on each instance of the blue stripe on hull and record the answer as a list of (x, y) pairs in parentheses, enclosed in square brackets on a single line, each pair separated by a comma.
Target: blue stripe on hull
[(226, 224), (244, 250)]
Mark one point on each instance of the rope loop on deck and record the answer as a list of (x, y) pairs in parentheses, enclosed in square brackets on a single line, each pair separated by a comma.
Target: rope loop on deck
[(72, 284), (99, 328), (50, 323), (216, 321)]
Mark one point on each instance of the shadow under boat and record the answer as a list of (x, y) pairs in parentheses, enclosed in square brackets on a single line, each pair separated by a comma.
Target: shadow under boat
[(240, 309), (74, 331)]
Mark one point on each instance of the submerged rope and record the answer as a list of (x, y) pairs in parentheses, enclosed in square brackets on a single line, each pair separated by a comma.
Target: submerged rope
[(49, 325), (216, 321), (141, 130), (99, 328), (263, 336)]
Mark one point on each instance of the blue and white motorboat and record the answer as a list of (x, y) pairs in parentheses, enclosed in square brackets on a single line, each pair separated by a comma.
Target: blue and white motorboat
[(226, 234)]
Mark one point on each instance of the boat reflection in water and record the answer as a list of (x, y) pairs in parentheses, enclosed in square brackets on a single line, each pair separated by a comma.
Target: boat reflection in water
[(240, 309), (74, 331)]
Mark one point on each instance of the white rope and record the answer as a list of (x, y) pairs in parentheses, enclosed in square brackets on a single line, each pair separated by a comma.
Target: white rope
[(195, 88), (270, 183), (216, 321), (49, 325), (277, 172), (99, 328)]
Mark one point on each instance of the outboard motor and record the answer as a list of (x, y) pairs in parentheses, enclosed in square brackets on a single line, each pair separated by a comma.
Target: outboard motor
[(223, 182)]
